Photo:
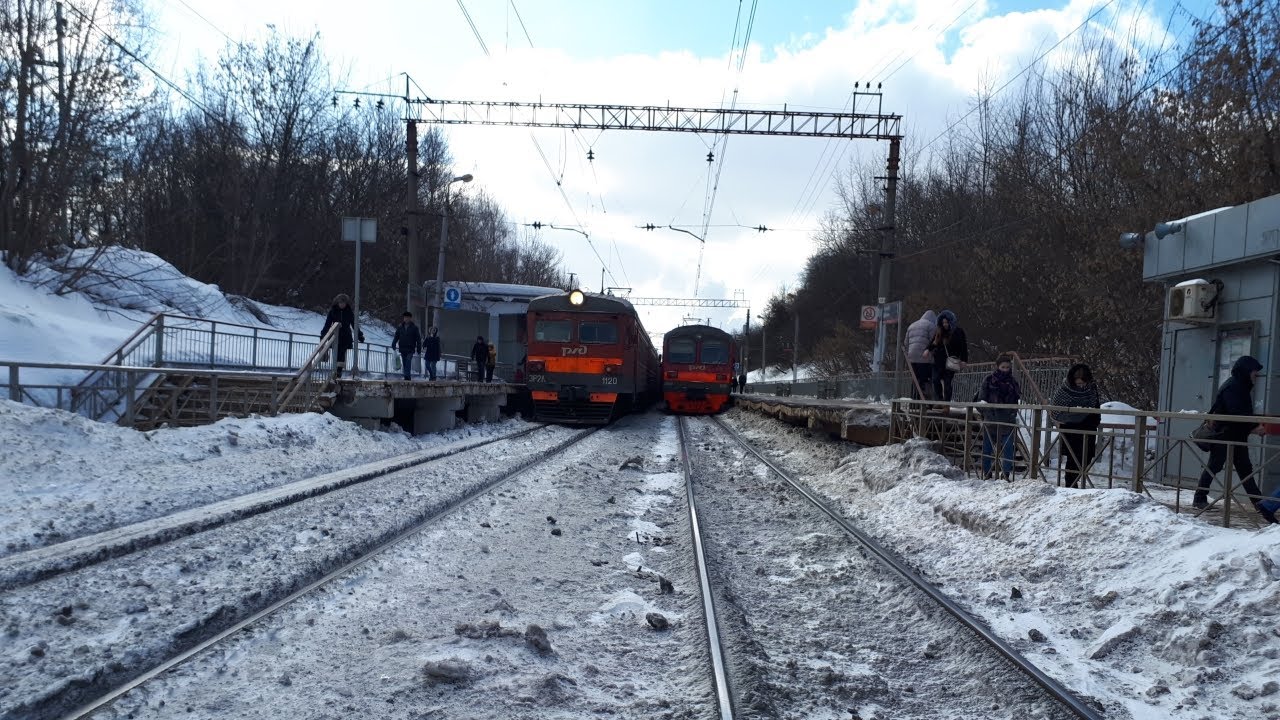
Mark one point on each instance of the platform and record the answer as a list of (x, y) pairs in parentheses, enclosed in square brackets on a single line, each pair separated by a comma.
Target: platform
[(422, 406), (860, 422)]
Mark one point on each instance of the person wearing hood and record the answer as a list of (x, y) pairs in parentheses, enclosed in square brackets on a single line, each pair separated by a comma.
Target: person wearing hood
[(1235, 397), (919, 334), (431, 352), (998, 424), (1077, 429), (342, 314), (949, 351)]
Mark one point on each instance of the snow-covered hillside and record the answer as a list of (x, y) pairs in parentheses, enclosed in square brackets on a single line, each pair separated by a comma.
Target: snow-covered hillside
[(100, 307)]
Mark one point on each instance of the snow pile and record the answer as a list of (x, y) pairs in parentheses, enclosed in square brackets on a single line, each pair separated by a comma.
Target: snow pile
[(1156, 613), (65, 476)]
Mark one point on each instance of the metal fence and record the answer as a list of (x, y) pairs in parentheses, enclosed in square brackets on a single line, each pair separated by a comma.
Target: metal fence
[(1145, 451)]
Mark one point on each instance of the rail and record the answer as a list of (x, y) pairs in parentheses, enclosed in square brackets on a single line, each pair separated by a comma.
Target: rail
[(890, 560), (719, 674), (1149, 452)]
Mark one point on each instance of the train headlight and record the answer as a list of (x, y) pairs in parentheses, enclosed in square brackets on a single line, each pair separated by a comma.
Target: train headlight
[(612, 369), (536, 366), (577, 298)]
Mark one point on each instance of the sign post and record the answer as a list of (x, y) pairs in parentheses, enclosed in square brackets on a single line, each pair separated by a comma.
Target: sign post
[(869, 318), (360, 231)]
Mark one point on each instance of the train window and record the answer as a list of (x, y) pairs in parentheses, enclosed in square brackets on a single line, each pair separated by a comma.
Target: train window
[(598, 332), (714, 352), (552, 330), (681, 351)]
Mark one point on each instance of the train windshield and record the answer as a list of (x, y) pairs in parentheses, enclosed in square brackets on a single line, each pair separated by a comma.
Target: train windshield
[(680, 351), (602, 333), (714, 352), (552, 330)]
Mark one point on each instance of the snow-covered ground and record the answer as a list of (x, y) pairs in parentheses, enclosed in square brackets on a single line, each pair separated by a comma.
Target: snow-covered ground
[(63, 476), (1161, 615)]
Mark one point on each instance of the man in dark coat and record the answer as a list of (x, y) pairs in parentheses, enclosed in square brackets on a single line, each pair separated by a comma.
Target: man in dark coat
[(480, 354), (742, 383), (948, 343), (341, 313), (409, 341), (1078, 429), (431, 351), (1235, 397)]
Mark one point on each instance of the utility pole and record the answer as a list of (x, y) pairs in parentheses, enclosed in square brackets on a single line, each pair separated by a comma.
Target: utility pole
[(795, 347), (888, 240), (411, 212), (746, 344)]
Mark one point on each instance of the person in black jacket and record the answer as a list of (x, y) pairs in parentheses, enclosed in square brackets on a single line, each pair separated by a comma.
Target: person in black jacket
[(480, 354), (341, 313), (409, 341), (1078, 430), (949, 351), (1235, 397), (431, 352)]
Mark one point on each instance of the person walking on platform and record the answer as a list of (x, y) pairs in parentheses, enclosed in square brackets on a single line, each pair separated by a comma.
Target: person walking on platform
[(342, 314), (919, 335), (490, 362), (1078, 430), (480, 355), (950, 353), (999, 424), (409, 342), (431, 352), (742, 383), (733, 384), (1235, 397)]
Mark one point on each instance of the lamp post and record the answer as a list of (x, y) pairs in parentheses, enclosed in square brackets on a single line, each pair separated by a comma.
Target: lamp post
[(795, 338), (444, 240)]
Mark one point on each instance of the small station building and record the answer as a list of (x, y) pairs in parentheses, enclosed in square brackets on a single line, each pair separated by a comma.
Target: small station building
[(1221, 274)]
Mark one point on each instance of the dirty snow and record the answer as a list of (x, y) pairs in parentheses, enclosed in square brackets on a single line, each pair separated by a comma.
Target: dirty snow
[(1158, 615), (63, 476)]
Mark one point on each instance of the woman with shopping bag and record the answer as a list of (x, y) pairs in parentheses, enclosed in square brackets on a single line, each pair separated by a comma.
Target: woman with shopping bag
[(950, 353)]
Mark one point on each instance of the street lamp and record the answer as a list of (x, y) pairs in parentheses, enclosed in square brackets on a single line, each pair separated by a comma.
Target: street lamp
[(444, 240)]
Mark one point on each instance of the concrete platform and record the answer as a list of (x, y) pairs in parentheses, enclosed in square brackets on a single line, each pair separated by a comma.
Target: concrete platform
[(422, 406), (860, 422)]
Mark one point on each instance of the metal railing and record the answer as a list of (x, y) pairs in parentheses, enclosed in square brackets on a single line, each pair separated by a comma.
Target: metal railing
[(32, 390), (1032, 374), (1148, 452)]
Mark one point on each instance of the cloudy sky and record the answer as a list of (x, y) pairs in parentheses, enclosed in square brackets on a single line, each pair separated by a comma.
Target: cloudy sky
[(930, 55)]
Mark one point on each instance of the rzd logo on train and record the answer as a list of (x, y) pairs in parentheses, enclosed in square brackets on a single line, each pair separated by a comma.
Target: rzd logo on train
[(580, 350)]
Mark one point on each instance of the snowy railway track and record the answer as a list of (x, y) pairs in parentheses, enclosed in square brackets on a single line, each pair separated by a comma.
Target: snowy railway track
[(813, 624), (42, 563), (140, 614)]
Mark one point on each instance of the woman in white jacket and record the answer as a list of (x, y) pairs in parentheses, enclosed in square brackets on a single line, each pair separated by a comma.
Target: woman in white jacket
[(919, 334)]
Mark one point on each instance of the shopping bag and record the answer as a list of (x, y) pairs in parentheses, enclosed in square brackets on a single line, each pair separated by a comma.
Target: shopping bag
[(396, 362)]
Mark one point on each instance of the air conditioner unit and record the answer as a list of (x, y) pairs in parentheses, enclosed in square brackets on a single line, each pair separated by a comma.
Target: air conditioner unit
[(1193, 300)]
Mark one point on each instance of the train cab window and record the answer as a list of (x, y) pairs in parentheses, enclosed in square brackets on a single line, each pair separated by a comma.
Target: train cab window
[(714, 353), (552, 330), (602, 333), (681, 351)]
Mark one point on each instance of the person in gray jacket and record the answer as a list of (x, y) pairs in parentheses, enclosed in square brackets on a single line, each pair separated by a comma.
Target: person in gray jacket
[(919, 335)]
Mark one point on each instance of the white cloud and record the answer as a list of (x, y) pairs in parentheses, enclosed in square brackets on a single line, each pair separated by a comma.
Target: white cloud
[(661, 177)]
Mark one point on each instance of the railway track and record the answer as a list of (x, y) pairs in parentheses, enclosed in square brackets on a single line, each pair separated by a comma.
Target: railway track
[(809, 616), (31, 566), (170, 601)]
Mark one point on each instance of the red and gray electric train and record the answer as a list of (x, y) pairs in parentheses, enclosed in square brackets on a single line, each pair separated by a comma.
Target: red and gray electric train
[(589, 360), (698, 363)]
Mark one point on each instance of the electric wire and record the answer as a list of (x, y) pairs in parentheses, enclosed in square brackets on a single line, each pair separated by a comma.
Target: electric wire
[(541, 153)]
